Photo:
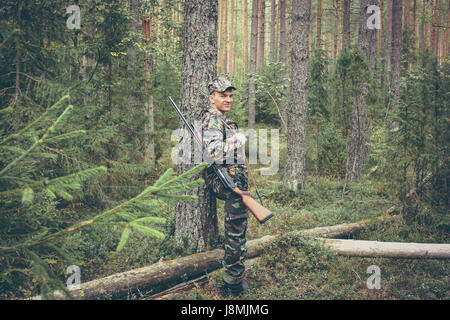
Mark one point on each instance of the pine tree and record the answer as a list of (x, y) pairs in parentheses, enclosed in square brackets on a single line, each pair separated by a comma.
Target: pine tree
[(295, 172), (31, 195)]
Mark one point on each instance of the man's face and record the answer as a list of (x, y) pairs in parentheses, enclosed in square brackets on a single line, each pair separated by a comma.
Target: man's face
[(221, 100)]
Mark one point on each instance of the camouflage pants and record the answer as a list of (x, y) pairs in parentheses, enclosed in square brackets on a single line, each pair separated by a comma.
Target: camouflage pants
[(236, 217)]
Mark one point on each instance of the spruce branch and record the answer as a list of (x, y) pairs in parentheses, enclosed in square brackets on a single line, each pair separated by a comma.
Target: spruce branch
[(39, 141), (152, 190), (64, 181), (37, 120)]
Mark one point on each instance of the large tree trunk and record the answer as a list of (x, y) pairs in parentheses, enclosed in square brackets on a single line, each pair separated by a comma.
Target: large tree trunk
[(197, 221), (253, 58), (358, 147), (295, 171)]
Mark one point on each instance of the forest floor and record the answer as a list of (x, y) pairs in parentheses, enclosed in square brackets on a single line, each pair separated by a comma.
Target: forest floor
[(292, 269), (296, 269)]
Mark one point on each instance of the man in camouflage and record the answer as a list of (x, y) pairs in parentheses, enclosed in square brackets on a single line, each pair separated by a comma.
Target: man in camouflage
[(223, 146)]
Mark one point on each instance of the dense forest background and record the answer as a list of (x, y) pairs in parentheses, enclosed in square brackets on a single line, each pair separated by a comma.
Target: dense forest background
[(86, 128)]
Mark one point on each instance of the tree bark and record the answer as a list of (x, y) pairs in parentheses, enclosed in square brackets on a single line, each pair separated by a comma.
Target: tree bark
[(261, 34), (380, 31), (346, 25), (282, 44), (273, 27), (446, 40), (336, 26), (395, 53), (225, 38), (435, 28), (231, 43), (414, 23), (422, 27), (319, 24), (406, 13), (294, 175), (388, 34), (245, 37), (148, 107), (196, 221), (358, 145), (219, 37)]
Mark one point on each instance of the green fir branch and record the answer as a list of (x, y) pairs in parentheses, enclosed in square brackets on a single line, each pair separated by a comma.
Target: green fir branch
[(70, 181), (40, 141), (37, 120), (109, 213)]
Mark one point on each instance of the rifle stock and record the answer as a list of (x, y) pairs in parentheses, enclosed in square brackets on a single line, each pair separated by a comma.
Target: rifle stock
[(261, 213)]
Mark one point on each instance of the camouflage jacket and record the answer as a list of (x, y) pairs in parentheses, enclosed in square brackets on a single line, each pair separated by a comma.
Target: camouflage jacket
[(222, 142)]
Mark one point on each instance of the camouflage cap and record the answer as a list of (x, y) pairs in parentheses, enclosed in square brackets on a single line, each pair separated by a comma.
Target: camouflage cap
[(220, 85)]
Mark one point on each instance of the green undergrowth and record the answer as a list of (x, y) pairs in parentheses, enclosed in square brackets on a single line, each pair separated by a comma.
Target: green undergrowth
[(302, 268)]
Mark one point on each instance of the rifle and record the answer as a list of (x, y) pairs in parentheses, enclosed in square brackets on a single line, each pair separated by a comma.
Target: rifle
[(261, 213)]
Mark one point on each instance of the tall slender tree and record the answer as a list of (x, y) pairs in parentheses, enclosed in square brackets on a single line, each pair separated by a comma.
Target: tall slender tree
[(282, 45), (319, 24), (381, 30), (253, 58), (395, 52), (231, 43), (358, 149), (422, 27), (261, 34), (346, 25), (406, 14), (435, 27), (224, 36), (245, 40), (335, 28), (197, 222), (446, 40), (148, 107), (388, 34), (273, 28), (295, 171)]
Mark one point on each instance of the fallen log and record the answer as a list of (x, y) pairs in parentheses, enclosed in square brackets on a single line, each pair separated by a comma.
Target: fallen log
[(362, 248), (194, 265)]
